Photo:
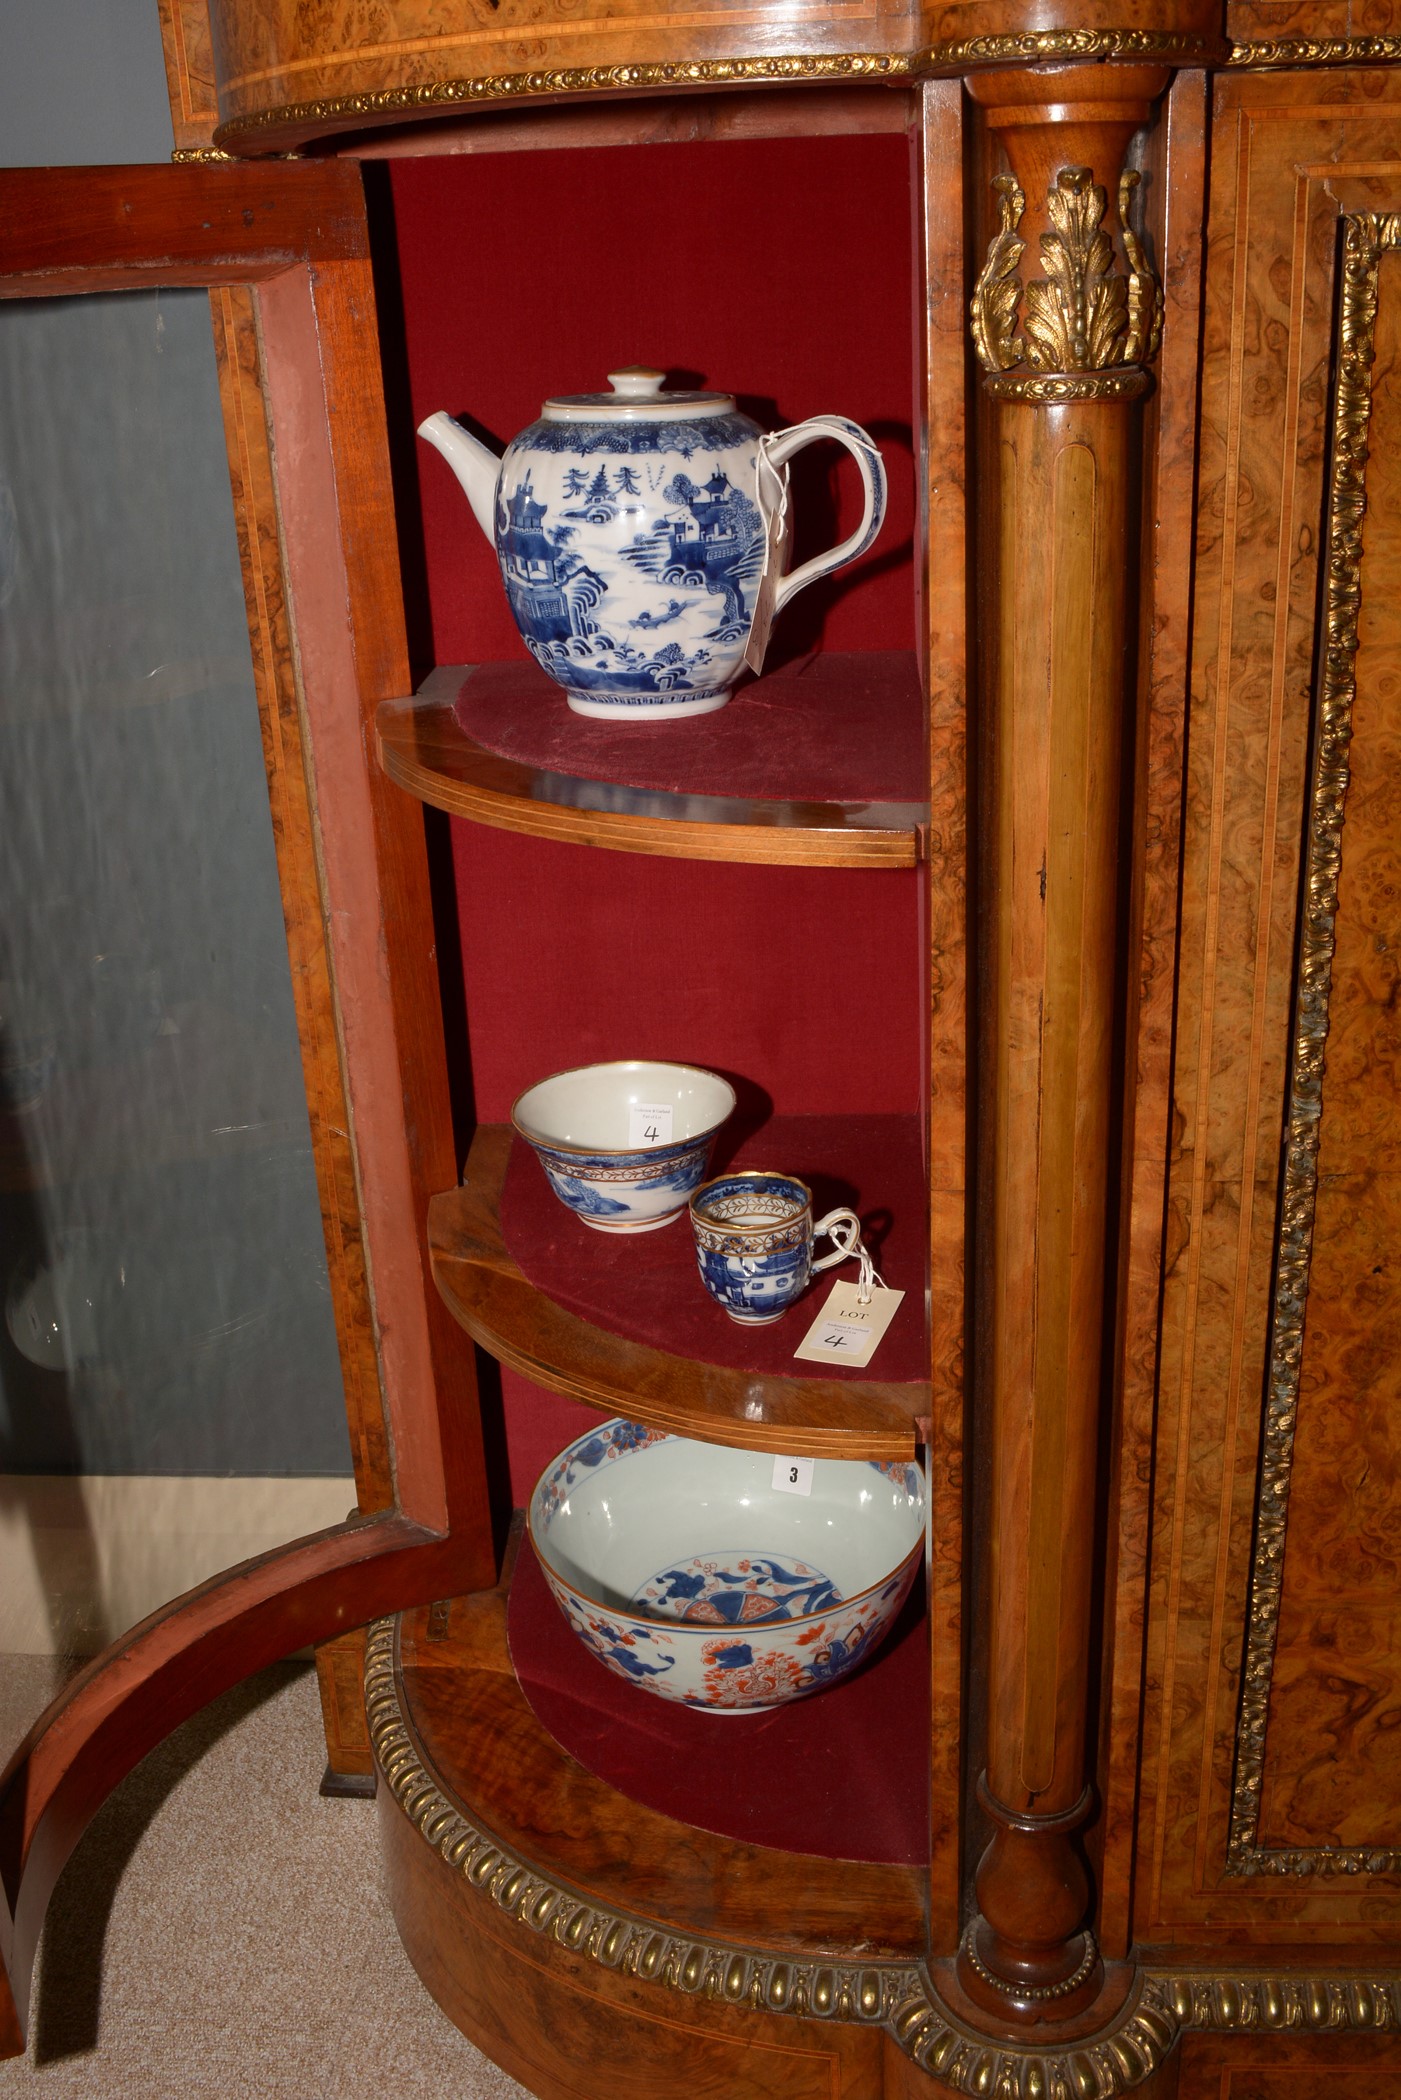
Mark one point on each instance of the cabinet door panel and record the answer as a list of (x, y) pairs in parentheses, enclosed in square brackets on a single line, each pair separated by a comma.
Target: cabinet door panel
[(1271, 1695), (1330, 1763), (294, 314), (168, 1347)]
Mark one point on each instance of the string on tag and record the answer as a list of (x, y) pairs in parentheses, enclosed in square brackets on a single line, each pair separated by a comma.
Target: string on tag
[(771, 492), (852, 435), (848, 1238), (771, 487)]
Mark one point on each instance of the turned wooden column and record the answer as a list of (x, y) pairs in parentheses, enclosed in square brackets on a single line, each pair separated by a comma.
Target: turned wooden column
[(1065, 320)]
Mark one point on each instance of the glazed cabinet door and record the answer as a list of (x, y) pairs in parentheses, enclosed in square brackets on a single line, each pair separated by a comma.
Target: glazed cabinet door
[(1271, 1765), (145, 1124)]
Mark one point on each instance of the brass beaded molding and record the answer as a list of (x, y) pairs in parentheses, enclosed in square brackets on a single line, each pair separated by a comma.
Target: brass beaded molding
[(897, 1996), (1317, 51), (1036, 46), (1366, 237), (1033, 47), (1045, 1992), (435, 96), (1174, 47), (1052, 389)]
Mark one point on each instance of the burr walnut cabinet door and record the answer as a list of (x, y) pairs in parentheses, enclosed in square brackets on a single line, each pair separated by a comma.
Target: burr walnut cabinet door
[(1271, 1774)]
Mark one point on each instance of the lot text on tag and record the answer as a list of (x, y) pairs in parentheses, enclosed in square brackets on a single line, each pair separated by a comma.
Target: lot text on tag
[(649, 1124), (793, 1476), (846, 1332)]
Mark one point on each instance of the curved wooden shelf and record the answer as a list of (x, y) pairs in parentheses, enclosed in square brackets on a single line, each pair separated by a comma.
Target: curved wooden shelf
[(495, 1758), (485, 1289), (424, 749), (594, 1946)]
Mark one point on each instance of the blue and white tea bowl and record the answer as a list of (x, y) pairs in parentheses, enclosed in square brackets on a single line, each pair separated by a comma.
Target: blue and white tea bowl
[(631, 537), (688, 1573), (616, 1168)]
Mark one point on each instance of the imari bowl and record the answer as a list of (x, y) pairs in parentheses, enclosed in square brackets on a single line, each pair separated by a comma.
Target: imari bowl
[(688, 1571), (623, 1145)]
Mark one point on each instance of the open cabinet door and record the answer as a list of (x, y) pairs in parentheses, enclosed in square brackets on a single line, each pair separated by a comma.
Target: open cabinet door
[(282, 252)]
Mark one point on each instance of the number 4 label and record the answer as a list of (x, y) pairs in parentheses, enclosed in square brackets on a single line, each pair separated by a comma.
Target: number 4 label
[(846, 1333), (793, 1476), (649, 1123)]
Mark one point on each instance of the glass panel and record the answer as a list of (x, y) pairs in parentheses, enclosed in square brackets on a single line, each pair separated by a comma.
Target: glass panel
[(170, 1390)]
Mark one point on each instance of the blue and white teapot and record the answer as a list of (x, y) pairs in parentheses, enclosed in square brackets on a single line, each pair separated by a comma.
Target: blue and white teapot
[(634, 531)]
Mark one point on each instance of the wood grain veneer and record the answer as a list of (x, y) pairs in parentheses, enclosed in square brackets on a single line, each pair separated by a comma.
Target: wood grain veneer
[(284, 75), (189, 73), (1329, 1779), (939, 184), (557, 2017), (253, 484), (1294, 2067), (1290, 154), (479, 1736), (1175, 180), (520, 1326)]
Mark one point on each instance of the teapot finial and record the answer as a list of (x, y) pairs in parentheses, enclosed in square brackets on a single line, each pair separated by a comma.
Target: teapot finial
[(637, 383)]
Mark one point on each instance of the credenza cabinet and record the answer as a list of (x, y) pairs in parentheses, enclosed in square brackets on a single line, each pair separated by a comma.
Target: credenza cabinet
[(1110, 955)]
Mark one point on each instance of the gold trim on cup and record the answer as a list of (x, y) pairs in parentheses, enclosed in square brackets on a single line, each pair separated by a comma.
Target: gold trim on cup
[(749, 1174)]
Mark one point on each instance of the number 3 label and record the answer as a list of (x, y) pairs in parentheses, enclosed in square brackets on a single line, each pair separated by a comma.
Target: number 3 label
[(793, 1476)]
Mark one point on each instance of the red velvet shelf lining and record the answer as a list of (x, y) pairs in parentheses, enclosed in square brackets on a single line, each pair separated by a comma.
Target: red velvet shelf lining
[(827, 728), (843, 1774), (645, 1286)]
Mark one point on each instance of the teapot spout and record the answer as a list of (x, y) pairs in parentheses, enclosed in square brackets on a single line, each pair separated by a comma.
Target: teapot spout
[(476, 468)]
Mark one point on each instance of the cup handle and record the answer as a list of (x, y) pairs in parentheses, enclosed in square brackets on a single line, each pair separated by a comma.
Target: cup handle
[(780, 448), (844, 1244)]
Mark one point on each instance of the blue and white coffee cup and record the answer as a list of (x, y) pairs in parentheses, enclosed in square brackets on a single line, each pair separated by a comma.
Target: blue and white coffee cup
[(754, 1236)]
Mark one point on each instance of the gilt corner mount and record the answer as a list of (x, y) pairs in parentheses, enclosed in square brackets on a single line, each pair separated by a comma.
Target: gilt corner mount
[(1086, 330)]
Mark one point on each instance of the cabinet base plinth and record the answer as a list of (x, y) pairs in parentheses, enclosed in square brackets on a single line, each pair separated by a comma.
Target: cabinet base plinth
[(571, 2029)]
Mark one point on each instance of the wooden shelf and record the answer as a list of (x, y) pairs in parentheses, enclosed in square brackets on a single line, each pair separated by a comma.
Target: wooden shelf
[(522, 1327), (489, 1756), (546, 786)]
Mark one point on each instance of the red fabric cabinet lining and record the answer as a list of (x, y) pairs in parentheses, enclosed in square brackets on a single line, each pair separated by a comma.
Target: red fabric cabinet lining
[(830, 726), (776, 269), (798, 983), (780, 270)]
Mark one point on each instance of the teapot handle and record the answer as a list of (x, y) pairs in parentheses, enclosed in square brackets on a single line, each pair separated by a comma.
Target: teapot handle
[(780, 447)]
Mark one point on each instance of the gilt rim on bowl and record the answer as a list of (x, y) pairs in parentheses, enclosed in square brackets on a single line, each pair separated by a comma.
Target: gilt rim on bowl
[(622, 1064)]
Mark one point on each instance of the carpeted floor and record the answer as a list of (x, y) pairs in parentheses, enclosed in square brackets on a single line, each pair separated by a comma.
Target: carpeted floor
[(220, 1934)]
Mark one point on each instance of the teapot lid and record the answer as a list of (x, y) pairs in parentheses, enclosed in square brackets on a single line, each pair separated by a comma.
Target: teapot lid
[(637, 395)]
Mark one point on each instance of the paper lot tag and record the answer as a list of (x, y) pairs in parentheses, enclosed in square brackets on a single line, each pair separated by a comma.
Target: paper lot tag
[(847, 1332)]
